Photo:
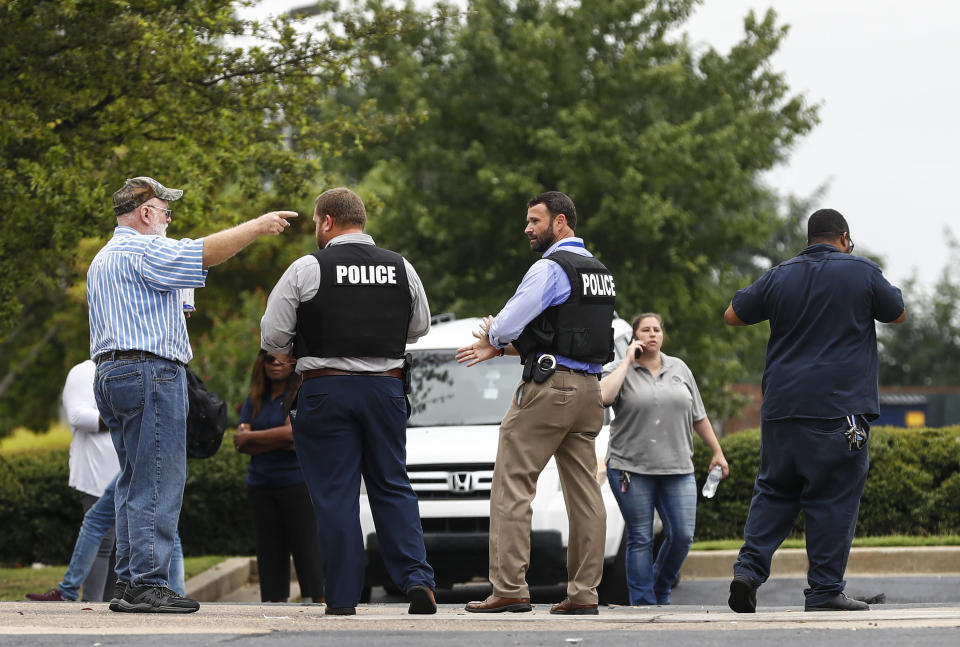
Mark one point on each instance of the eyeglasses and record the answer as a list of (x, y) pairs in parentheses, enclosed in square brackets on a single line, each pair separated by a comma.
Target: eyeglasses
[(270, 359), (850, 242), (166, 212)]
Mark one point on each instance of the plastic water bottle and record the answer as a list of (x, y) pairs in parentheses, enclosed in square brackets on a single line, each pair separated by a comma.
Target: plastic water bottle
[(713, 479)]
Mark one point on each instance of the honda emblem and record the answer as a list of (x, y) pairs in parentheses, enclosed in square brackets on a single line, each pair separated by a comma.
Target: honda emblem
[(460, 481)]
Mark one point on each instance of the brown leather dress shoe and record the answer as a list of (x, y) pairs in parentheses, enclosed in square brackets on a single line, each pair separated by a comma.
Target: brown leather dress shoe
[(496, 604), (568, 608)]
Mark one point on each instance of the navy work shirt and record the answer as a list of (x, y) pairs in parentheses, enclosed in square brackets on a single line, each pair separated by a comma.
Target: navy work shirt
[(822, 352), (279, 468)]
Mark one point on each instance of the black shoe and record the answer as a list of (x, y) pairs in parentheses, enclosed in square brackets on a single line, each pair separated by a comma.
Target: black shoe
[(421, 599), (839, 602), (340, 611), (119, 589), (743, 595), (155, 599)]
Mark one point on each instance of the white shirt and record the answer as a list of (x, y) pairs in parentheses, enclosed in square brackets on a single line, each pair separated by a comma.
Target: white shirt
[(93, 458)]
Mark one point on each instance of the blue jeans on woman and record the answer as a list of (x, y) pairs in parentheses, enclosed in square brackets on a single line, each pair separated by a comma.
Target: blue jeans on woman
[(674, 496), (96, 524), (143, 400)]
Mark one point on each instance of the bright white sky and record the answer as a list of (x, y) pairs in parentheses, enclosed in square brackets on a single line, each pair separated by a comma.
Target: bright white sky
[(888, 142)]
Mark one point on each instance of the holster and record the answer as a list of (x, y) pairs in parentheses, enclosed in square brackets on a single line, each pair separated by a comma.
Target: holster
[(407, 372)]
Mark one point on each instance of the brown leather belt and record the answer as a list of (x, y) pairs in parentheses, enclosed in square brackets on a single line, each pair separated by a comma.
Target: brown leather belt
[(567, 369), (324, 372)]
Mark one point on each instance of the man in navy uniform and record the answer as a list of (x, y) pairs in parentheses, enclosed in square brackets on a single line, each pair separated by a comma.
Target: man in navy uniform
[(347, 312), (819, 396), (558, 321)]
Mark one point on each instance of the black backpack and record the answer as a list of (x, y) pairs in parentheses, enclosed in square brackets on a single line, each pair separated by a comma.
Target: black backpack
[(206, 418)]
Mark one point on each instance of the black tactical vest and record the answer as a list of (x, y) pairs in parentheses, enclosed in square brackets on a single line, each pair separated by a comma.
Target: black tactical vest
[(362, 306), (580, 327)]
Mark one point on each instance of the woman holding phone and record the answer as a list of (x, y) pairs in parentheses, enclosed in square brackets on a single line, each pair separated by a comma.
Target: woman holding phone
[(650, 456)]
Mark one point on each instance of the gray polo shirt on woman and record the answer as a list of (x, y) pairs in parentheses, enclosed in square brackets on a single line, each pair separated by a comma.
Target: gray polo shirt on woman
[(652, 432)]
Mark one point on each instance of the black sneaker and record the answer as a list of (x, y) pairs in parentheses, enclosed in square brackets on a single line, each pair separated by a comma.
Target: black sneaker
[(155, 599), (840, 602), (340, 611), (119, 589), (743, 595)]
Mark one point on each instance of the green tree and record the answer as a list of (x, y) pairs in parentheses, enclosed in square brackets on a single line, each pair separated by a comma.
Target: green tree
[(95, 91), (925, 349), (660, 146)]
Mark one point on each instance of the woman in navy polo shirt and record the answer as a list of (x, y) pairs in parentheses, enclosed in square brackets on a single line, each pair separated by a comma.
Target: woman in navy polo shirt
[(283, 517)]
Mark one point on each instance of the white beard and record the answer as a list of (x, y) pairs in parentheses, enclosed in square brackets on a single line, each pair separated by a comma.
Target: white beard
[(158, 229)]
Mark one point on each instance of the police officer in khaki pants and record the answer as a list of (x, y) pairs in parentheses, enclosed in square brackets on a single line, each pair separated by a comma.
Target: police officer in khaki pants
[(558, 321)]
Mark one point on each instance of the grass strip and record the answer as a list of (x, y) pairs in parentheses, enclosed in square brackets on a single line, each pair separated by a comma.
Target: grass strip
[(15, 583), (887, 541)]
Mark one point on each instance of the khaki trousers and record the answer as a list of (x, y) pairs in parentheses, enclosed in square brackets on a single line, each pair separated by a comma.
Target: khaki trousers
[(560, 417)]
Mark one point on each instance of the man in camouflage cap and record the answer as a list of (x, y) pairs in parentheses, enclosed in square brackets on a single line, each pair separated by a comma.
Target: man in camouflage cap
[(139, 190), (138, 339)]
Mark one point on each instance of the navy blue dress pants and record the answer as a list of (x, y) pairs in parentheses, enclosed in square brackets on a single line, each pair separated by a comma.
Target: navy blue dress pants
[(805, 465), (348, 425)]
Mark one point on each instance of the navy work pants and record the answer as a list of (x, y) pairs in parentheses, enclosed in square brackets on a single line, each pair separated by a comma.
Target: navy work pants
[(805, 465), (348, 425)]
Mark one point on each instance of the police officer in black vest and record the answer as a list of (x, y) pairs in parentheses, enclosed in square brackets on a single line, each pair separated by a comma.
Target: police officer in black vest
[(348, 310), (559, 322)]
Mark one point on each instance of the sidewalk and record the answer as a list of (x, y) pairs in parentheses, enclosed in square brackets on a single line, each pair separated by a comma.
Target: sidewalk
[(77, 618), (230, 580)]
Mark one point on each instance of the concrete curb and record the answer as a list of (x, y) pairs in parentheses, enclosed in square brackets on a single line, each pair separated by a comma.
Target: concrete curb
[(792, 562), (216, 583), (220, 580)]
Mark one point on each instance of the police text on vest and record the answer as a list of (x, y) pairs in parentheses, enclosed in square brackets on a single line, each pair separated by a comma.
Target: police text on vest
[(598, 285), (366, 274)]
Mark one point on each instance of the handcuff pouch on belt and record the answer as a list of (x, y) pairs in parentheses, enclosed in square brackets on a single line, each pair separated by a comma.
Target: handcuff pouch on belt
[(540, 368)]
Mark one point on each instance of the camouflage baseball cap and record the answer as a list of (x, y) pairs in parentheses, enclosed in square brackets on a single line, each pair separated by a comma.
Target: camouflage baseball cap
[(138, 190)]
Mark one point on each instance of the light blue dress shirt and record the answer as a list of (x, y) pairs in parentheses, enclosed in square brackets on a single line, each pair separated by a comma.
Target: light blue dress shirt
[(133, 291), (545, 284)]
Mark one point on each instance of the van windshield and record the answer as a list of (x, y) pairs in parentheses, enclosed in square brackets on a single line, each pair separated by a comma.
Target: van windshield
[(444, 393)]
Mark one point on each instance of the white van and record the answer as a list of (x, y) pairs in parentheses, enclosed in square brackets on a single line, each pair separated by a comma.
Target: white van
[(451, 446)]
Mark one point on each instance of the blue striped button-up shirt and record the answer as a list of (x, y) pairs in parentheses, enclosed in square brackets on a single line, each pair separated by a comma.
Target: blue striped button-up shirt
[(133, 290)]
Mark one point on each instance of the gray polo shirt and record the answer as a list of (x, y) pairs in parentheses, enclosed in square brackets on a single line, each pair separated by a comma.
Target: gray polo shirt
[(652, 432)]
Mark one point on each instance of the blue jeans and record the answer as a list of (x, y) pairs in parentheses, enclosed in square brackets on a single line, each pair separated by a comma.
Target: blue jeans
[(144, 403), (347, 426), (675, 497), (96, 524)]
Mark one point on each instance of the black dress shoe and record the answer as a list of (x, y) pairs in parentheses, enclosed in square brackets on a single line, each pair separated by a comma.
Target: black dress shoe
[(421, 600), (743, 595), (840, 602), (340, 611)]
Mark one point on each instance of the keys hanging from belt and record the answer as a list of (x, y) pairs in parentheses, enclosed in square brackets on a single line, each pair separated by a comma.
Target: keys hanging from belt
[(855, 434), (624, 481)]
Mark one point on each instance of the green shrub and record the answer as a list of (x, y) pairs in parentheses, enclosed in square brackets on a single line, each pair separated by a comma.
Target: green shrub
[(41, 515), (912, 487)]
